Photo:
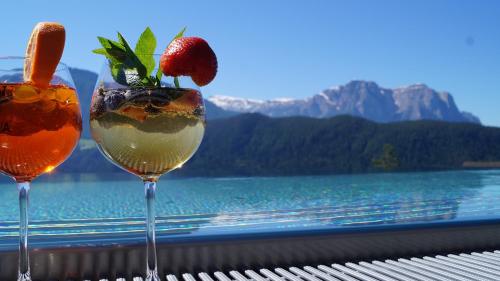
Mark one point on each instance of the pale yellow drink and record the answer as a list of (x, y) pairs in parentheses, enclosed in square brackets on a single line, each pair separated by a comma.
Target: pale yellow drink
[(148, 132)]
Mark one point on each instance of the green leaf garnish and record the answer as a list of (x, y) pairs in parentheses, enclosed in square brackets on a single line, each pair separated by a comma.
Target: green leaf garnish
[(145, 48), (118, 73), (115, 51), (158, 76), (132, 61), (100, 51), (134, 68)]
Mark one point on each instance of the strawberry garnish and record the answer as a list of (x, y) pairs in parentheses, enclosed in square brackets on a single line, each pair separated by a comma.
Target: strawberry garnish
[(190, 56)]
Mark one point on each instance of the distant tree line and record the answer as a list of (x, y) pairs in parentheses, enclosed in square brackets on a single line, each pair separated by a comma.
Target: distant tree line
[(255, 145)]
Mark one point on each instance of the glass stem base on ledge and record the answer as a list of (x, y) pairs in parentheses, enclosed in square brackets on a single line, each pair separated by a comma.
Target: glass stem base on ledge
[(24, 264), (152, 269)]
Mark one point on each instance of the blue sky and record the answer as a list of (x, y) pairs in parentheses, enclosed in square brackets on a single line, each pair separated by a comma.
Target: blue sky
[(269, 49)]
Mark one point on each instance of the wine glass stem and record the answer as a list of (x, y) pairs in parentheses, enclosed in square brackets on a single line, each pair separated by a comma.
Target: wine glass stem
[(150, 191), (24, 265)]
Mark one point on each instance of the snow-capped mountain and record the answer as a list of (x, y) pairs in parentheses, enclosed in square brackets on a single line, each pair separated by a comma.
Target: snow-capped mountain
[(359, 98)]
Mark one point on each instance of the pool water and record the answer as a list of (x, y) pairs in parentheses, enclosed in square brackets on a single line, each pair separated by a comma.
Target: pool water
[(86, 205)]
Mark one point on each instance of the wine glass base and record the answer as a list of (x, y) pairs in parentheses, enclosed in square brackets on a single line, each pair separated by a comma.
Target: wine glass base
[(152, 275), (24, 276)]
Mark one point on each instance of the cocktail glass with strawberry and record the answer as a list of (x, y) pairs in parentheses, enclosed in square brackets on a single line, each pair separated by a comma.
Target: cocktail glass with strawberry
[(40, 120), (147, 114)]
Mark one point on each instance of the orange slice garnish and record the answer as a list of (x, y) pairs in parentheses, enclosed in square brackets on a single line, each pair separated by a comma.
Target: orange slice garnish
[(45, 48)]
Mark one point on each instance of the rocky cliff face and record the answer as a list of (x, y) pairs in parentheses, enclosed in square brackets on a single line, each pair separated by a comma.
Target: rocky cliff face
[(359, 98)]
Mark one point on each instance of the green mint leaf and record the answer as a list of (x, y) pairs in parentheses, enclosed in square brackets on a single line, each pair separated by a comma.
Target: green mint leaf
[(113, 48), (158, 75), (149, 81), (107, 43), (158, 81), (124, 43), (176, 82), (132, 60), (100, 51), (145, 48), (133, 68), (118, 73)]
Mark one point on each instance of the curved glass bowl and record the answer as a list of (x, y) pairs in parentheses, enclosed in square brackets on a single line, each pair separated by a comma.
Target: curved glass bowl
[(39, 128), (147, 131)]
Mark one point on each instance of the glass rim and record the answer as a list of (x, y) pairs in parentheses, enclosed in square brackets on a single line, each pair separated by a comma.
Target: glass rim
[(24, 57)]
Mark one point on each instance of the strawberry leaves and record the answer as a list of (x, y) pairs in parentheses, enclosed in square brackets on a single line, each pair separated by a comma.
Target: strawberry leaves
[(135, 67), (179, 35)]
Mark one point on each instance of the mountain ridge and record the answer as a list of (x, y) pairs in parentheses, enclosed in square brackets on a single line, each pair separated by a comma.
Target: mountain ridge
[(358, 98)]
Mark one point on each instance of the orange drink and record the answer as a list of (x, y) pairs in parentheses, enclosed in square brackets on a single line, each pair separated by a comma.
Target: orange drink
[(38, 128)]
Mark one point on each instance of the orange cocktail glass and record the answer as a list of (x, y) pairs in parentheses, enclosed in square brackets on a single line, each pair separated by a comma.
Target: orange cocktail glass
[(39, 128), (40, 119)]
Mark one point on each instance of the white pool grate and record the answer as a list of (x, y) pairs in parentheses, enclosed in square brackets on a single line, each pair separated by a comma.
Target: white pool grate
[(462, 267)]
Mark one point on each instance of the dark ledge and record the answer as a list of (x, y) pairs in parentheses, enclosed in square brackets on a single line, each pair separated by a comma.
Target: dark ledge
[(123, 256)]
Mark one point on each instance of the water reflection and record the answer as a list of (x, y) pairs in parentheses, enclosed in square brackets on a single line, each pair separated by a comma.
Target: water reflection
[(360, 199), (90, 203)]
